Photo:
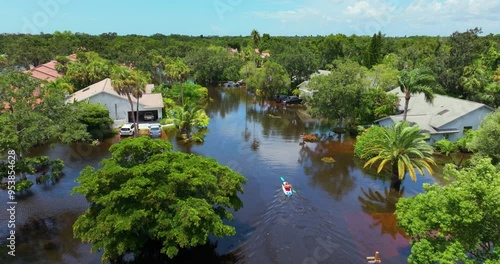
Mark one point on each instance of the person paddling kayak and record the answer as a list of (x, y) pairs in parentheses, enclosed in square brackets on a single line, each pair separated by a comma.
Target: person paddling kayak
[(288, 186)]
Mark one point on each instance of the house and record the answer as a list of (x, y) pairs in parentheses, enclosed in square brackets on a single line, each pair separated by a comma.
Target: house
[(263, 54), (303, 87), (47, 71), (445, 118), (118, 105)]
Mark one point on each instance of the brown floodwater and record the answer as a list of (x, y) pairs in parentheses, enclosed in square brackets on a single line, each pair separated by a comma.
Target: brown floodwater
[(340, 212)]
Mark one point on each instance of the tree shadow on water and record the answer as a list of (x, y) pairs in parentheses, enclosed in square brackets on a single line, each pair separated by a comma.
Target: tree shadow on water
[(201, 254), (336, 178), (381, 207)]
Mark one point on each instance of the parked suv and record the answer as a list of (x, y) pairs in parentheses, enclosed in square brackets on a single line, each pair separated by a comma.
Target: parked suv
[(155, 131), (127, 130), (148, 116)]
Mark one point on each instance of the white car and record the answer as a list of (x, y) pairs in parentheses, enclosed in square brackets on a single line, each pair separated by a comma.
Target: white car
[(127, 130), (148, 116)]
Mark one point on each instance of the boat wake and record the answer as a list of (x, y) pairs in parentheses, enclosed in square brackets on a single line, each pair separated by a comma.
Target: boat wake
[(292, 230)]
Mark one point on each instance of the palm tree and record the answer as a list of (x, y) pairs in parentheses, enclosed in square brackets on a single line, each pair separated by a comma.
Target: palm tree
[(404, 148), (140, 80), (255, 37), (187, 117), (416, 81), (129, 82), (177, 71), (61, 85)]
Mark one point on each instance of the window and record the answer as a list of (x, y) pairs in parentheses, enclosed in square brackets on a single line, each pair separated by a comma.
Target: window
[(467, 128)]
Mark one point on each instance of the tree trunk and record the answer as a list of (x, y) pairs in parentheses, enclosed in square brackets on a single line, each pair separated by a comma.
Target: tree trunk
[(137, 113), (395, 180), (407, 100), (22, 174), (132, 108)]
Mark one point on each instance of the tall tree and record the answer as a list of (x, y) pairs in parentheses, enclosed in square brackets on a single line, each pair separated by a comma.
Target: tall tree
[(176, 71), (374, 51), (147, 197), (416, 81), (255, 38), (298, 61), (465, 47), (457, 223), (404, 149), (339, 93), (130, 83), (269, 80)]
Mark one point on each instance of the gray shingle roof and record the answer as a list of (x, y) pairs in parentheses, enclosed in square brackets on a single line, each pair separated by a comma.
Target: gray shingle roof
[(432, 116)]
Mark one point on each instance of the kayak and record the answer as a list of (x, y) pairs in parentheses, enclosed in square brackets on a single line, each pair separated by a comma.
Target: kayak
[(287, 193)]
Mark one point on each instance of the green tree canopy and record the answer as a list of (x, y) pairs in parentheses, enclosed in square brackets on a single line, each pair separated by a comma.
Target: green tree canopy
[(485, 141), (34, 116), (298, 61), (87, 70), (96, 118), (457, 223), (339, 94), (146, 192), (403, 148), (269, 80)]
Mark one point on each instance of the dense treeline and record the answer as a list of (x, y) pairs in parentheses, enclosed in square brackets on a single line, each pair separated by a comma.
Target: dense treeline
[(465, 63)]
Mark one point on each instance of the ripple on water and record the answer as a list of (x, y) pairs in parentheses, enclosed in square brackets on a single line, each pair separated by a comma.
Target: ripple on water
[(291, 223)]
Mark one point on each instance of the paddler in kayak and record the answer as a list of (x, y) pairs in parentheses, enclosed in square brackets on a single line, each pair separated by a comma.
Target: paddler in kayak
[(288, 186)]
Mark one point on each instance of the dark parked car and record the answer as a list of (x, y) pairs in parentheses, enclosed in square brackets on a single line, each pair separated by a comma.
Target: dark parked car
[(231, 84), (279, 98), (292, 100)]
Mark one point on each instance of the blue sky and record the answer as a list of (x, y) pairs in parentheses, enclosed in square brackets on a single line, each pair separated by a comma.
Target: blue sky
[(239, 17)]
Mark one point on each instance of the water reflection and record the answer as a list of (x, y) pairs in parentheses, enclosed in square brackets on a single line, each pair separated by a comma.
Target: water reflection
[(381, 207), (50, 240), (338, 209), (336, 178)]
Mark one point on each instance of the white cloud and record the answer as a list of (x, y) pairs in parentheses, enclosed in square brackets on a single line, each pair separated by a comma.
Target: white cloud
[(418, 17)]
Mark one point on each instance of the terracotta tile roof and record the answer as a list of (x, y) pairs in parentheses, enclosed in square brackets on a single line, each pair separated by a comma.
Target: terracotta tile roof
[(45, 72)]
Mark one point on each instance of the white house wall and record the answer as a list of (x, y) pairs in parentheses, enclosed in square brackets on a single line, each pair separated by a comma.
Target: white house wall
[(472, 119), (119, 107)]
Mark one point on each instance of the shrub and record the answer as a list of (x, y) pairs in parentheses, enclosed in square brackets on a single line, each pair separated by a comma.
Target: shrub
[(445, 147), (364, 140)]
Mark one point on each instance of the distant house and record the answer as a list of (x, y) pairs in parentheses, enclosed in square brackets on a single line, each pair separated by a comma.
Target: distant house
[(263, 54), (446, 117), (47, 71), (303, 87), (118, 105)]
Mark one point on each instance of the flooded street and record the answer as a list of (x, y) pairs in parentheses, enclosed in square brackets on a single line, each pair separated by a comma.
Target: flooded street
[(340, 213)]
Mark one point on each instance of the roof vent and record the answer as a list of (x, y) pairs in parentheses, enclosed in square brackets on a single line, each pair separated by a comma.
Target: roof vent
[(443, 112)]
